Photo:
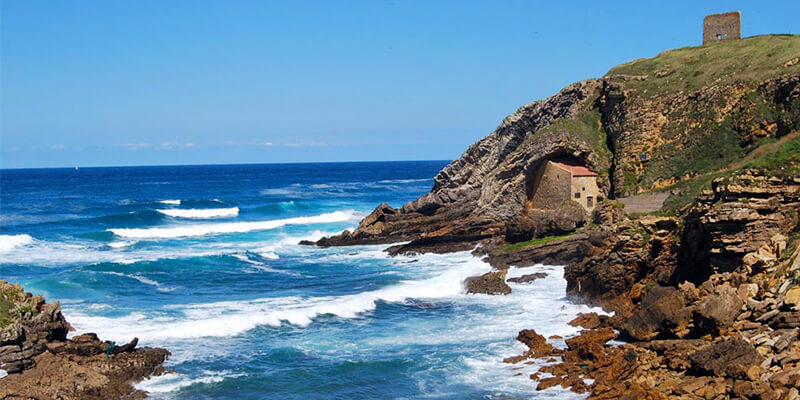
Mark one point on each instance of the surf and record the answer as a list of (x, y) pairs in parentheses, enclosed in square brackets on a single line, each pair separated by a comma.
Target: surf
[(230, 227), (201, 213)]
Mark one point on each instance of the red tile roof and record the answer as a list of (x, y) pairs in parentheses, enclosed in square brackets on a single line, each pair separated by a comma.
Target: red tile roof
[(576, 170)]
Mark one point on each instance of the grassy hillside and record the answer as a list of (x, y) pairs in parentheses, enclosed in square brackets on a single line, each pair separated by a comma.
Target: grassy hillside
[(753, 59)]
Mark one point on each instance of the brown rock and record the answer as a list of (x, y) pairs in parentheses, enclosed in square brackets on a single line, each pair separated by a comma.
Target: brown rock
[(589, 345), (718, 310), (536, 343), (731, 357), (792, 298), (662, 310), (586, 320), (493, 282)]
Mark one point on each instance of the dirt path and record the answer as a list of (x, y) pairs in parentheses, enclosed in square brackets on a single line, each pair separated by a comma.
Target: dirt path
[(767, 148), (644, 203)]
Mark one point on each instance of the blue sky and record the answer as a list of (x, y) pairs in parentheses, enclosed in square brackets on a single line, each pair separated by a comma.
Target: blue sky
[(186, 82)]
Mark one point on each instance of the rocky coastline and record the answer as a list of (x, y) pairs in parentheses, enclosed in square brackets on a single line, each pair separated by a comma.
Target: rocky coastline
[(705, 287), (42, 363)]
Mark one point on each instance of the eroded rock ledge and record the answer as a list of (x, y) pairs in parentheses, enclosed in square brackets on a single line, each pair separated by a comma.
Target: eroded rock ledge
[(43, 364)]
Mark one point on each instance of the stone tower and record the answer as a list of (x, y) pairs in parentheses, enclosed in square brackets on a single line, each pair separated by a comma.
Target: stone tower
[(721, 27)]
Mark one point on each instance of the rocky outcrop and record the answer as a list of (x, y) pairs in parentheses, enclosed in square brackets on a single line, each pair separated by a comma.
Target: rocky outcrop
[(527, 278), (730, 357), (662, 312), (736, 224), (30, 326), (43, 364), (492, 282), (475, 196)]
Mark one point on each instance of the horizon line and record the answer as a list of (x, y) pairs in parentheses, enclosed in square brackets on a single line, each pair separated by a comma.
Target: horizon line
[(219, 164)]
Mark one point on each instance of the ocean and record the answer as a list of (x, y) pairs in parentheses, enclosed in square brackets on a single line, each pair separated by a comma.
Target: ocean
[(205, 261)]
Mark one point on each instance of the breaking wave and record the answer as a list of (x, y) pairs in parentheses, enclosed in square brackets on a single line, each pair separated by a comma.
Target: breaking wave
[(230, 227), (196, 213), (10, 242), (171, 202), (230, 318)]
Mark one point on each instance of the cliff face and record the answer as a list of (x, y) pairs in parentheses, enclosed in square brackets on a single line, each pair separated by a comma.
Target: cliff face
[(649, 124), (30, 324)]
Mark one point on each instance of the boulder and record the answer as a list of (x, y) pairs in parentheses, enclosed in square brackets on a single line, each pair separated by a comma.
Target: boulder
[(718, 310), (536, 343), (730, 357), (662, 311), (492, 282)]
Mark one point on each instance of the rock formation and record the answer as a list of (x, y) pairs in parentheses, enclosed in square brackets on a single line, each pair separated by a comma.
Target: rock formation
[(43, 364)]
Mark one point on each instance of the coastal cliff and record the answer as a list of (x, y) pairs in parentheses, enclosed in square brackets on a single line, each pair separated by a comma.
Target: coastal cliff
[(704, 282), (42, 363)]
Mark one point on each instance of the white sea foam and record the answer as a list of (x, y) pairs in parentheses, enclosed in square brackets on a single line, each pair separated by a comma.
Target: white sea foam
[(120, 244), (10, 242), (173, 381), (142, 279), (201, 213), (234, 317), (231, 227), (171, 202)]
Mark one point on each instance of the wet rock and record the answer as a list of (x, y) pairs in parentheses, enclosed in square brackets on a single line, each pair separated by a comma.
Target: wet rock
[(527, 278), (492, 282)]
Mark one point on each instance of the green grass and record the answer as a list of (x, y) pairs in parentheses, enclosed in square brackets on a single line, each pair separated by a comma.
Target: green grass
[(783, 161), (752, 59), (6, 318), (547, 239), (585, 126)]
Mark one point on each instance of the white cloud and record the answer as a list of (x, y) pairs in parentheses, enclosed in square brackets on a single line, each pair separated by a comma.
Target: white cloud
[(58, 147)]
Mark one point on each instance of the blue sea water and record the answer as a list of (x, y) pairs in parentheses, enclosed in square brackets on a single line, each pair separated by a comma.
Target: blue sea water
[(205, 261)]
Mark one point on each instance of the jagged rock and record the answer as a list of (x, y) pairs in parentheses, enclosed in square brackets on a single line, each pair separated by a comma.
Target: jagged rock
[(589, 345), (586, 320), (662, 310), (44, 364), (731, 357), (492, 282), (537, 344), (718, 310), (528, 277), (26, 336)]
